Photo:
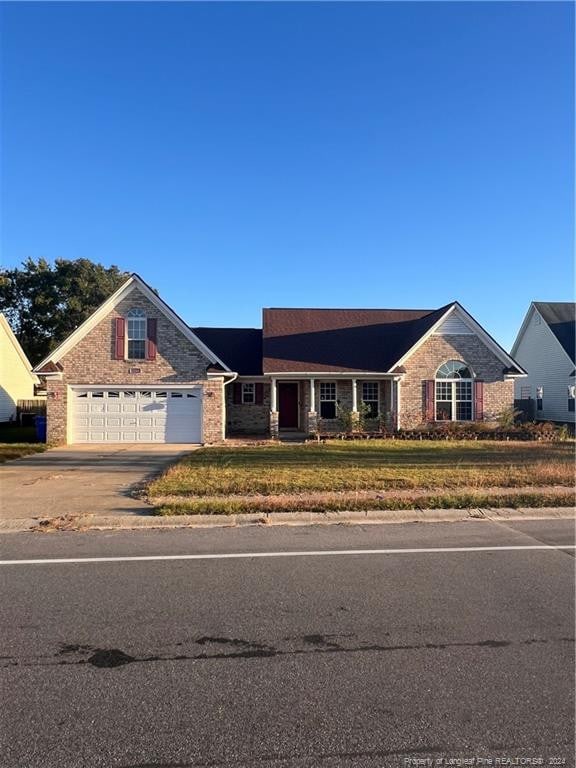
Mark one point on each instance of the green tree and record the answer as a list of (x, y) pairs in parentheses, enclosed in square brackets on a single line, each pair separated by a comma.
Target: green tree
[(45, 302)]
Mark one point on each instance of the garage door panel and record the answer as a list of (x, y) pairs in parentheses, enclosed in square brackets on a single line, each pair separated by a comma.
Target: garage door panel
[(125, 415)]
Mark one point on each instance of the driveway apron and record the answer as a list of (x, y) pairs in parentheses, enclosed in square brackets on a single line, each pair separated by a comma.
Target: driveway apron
[(86, 479)]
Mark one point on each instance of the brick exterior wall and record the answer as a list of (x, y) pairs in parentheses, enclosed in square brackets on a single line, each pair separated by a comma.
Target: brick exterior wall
[(247, 418), (56, 412), (436, 350), (178, 361)]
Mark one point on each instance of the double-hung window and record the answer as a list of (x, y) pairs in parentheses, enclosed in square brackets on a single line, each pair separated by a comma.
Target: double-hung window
[(454, 392), (248, 394), (370, 398), (136, 334), (539, 398), (328, 400)]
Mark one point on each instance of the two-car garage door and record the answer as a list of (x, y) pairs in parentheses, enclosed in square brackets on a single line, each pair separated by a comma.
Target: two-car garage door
[(121, 415)]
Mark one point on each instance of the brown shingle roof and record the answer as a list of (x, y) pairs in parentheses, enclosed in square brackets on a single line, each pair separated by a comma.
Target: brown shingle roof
[(312, 340)]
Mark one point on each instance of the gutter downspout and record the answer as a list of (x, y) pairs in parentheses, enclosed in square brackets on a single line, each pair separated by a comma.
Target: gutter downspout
[(233, 377)]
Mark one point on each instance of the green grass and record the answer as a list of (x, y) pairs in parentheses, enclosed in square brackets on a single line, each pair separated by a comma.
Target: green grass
[(17, 450), (234, 506), (226, 480)]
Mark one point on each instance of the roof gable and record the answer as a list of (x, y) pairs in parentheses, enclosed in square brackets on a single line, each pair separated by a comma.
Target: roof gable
[(455, 316), (361, 340), (560, 317), (133, 282), (10, 335)]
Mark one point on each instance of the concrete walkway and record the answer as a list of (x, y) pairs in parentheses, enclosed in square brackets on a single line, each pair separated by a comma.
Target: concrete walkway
[(82, 479)]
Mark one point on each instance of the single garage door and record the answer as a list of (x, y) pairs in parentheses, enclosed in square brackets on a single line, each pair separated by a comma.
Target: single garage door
[(137, 415)]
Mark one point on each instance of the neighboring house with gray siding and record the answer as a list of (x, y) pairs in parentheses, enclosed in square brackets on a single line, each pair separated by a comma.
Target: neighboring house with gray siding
[(545, 348)]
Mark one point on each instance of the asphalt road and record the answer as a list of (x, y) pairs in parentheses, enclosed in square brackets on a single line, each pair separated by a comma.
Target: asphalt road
[(376, 659)]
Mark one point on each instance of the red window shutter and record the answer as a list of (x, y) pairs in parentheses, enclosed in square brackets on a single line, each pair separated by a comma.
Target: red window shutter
[(259, 394), (119, 338), (151, 333), (478, 400), (429, 400), (237, 393)]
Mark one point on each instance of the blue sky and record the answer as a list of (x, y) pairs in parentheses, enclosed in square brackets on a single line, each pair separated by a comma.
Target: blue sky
[(296, 154)]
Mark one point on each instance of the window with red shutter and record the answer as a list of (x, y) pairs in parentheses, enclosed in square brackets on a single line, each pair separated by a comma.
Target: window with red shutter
[(119, 338), (151, 341)]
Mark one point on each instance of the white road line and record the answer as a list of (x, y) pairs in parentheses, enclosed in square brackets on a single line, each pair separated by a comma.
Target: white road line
[(311, 553)]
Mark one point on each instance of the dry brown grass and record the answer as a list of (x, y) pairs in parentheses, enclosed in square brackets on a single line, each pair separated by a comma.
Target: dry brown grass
[(229, 478)]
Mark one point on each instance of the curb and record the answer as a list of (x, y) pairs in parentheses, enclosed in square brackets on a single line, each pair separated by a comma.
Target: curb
[(148, 522)]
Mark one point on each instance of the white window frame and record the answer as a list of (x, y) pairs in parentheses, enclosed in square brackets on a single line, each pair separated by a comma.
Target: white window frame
[(375, 385), (324, 398), (248, 388), (540, 398), (450, 384), (136, 317)]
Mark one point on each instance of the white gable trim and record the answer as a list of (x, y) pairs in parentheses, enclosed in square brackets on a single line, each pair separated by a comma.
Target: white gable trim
[(478, 331), (16, 344), (134, 281), (523, 327), (532, 310)]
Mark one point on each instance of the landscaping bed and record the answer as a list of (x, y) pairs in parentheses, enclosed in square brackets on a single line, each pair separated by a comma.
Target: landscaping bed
[(375, 474)]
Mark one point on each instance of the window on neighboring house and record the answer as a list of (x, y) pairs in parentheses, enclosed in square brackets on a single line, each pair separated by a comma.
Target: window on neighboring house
[(248, 393), (571, 398), (370, 398), (539, 398), (525, 393), (136, 334), (454, 392), (328, 400)]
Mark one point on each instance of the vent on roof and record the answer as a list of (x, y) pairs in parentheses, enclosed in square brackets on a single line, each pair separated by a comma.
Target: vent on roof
[(453, 326)]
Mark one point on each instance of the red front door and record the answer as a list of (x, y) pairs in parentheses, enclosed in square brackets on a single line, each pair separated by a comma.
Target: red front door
[(288, 405)]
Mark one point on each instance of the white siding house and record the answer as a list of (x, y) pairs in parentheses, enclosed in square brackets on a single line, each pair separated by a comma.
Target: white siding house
[(544, 347), (16, 378)]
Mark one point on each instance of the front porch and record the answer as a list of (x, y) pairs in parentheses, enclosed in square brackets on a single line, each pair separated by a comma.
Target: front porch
[(310, 405)]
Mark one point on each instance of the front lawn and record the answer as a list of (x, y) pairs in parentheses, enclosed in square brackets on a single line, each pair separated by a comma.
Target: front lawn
[(366, 475)]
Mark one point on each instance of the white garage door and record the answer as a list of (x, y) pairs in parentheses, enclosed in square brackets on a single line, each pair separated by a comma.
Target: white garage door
[(137, 415)]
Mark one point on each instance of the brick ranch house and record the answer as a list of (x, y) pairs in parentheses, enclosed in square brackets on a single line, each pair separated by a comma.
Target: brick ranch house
[(135, 372)]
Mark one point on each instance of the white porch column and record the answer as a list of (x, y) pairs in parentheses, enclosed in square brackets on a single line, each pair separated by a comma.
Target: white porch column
[(273, 395), (313, 395), (354, 396), (397, 404)]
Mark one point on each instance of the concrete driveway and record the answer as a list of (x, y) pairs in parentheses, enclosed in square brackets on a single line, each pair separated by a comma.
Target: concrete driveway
[(82, 479)]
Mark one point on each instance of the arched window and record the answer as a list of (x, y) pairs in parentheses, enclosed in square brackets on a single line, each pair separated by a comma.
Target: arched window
[(136, 334), (454, 392)]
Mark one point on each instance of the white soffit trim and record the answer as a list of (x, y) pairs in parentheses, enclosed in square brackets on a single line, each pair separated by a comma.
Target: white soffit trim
[(134, 281), (325, 375), (477, 329), (523, 327), (16, 344)]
